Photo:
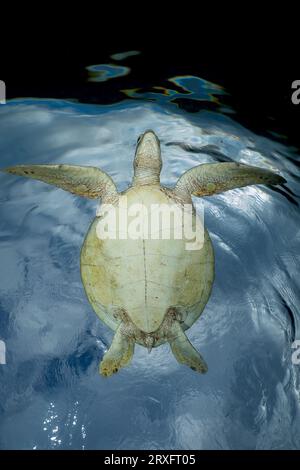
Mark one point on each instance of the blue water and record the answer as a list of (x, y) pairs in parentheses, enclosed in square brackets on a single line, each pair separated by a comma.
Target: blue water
[(52, 396)]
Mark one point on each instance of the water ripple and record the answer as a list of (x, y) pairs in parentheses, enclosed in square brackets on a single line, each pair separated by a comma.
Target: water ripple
[(52, 395)]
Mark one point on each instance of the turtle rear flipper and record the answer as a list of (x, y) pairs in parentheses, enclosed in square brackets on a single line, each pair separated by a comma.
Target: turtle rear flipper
[(184, 351), (119, 354)]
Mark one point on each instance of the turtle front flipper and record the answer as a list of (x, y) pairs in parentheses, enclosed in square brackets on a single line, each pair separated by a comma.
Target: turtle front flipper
[(214, 178), (119, 354), (184, 351), (86, 181)]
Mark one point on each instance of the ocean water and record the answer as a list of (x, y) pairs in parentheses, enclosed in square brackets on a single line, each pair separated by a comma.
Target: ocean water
[(52, 396)]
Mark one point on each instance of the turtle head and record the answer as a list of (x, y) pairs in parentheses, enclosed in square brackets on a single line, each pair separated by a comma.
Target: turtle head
[(147, 161), (148, 144)]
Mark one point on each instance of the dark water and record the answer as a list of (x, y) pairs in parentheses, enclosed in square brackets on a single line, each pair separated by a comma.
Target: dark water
[(51, 394)]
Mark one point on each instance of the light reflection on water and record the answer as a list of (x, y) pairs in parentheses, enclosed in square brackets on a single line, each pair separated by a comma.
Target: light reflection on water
[(104, 72), (187, 87), (51, 393)]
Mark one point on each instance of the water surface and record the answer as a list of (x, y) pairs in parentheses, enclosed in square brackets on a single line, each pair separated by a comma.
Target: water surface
[(52, 396)]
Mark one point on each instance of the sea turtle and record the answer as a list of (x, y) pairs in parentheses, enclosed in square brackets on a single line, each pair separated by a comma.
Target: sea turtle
[(147, 290)]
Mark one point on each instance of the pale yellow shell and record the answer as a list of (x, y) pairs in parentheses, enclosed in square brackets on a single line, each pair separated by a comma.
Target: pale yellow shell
[(146, 277)]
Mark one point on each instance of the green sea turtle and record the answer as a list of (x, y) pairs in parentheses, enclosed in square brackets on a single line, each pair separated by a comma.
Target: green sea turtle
[(147, 290)]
